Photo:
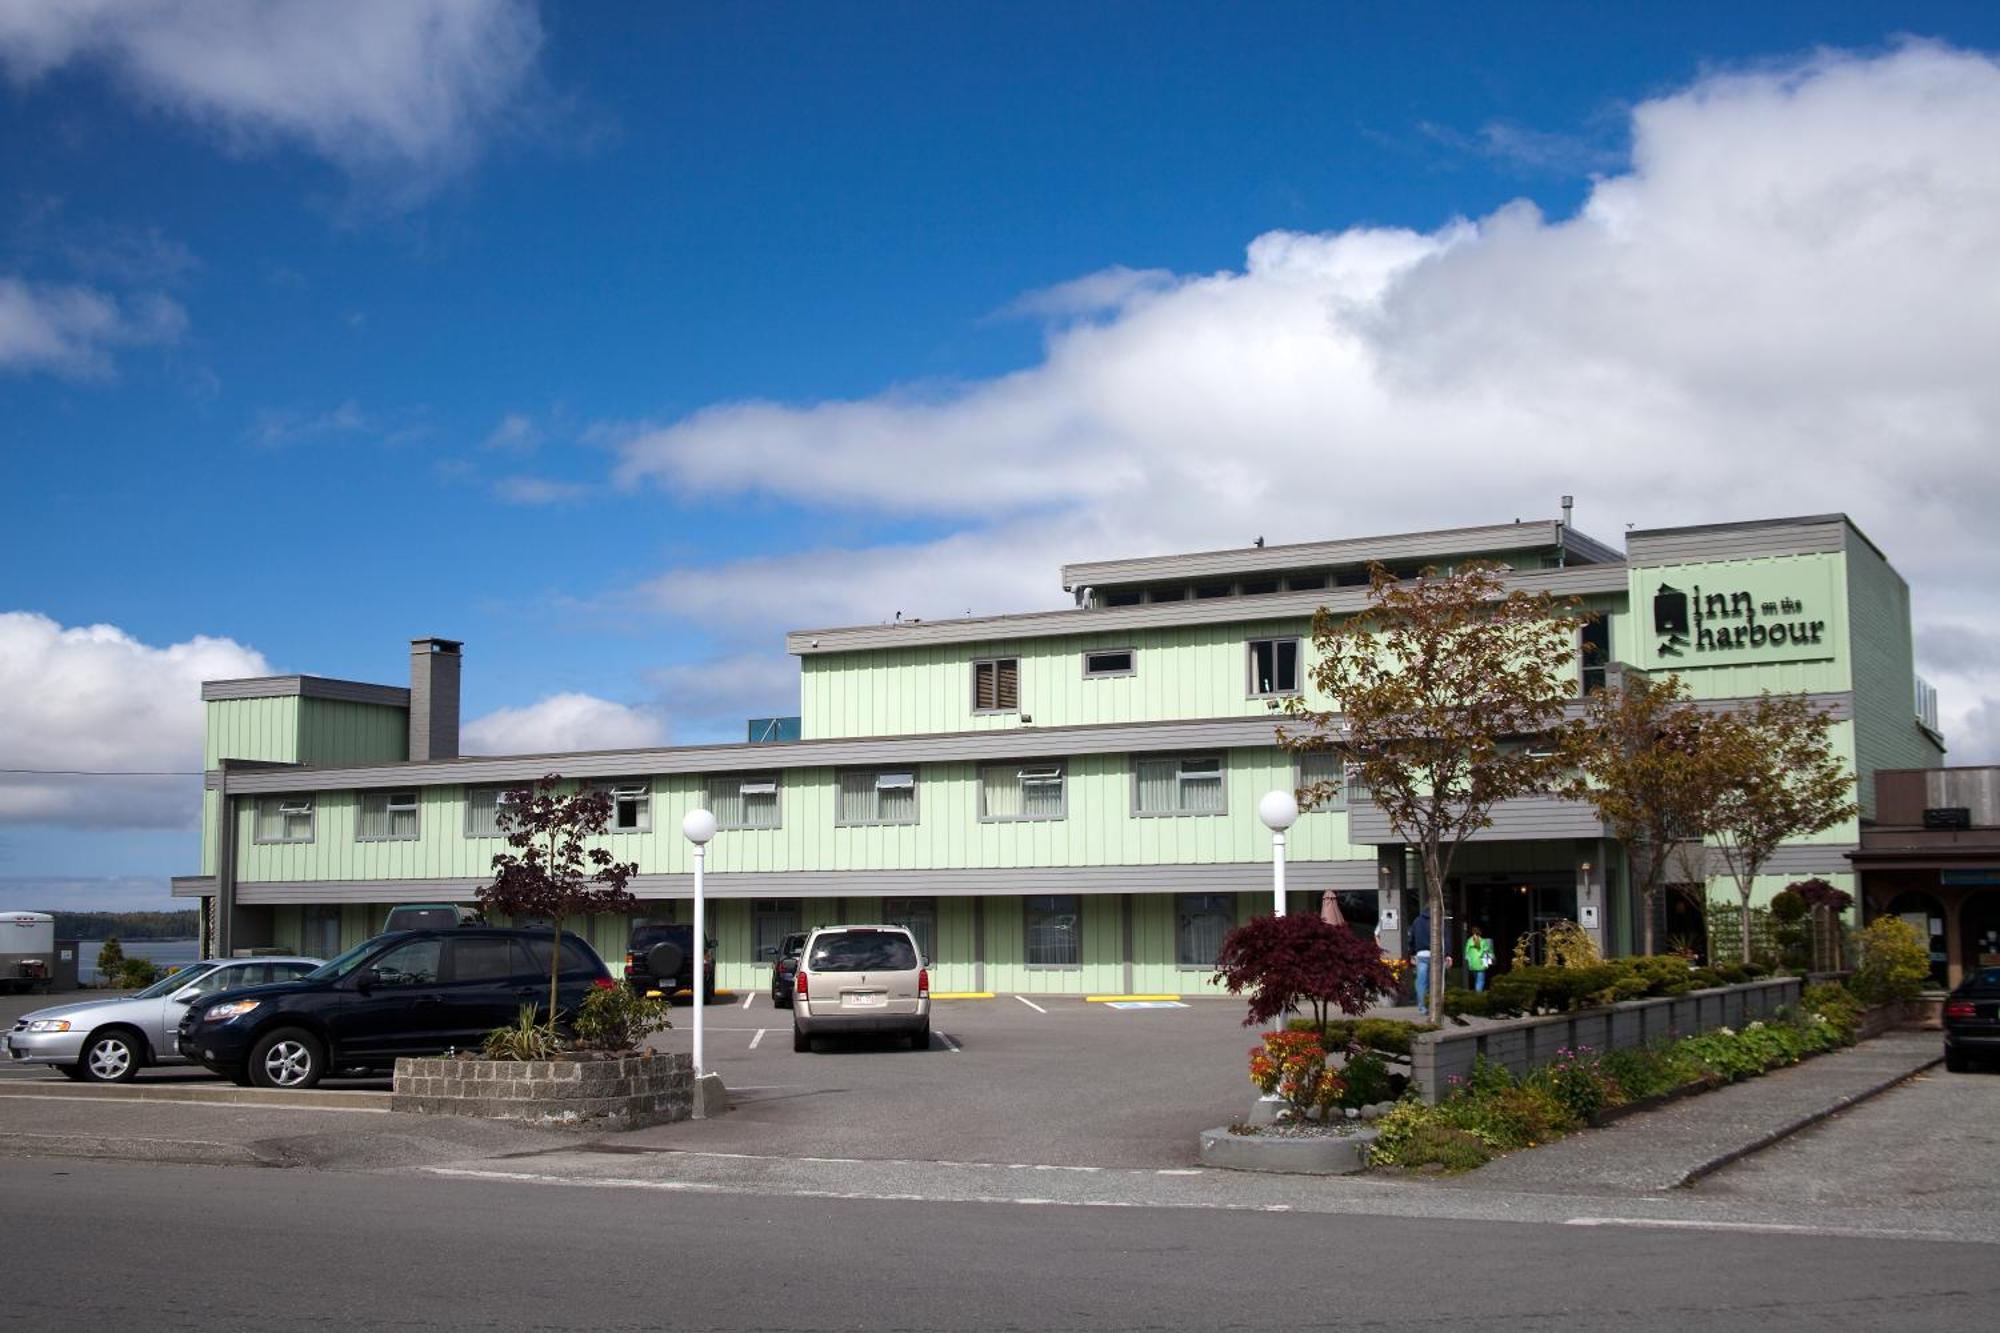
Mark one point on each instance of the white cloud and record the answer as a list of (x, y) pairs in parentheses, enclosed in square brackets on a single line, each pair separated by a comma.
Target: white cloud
[(1787, 303), (274, 427), (516, 433), (94, 698), (403, 88), (71, 330), (524, 490), (563, 722)]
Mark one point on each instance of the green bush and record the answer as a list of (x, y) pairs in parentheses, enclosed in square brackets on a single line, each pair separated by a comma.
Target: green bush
[(523, 1039), (137, 973), (1413, 1136), (618, 1018), (1391, 1035), (1366, 1079), (1834, 1006), (1895, 962)]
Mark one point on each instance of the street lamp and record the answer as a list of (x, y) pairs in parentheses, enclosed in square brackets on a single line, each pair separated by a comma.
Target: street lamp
[(1279, 811), (698, 826)]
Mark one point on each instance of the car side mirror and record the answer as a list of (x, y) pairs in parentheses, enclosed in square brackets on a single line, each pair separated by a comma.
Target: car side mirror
[(185, 995), (366, 980)]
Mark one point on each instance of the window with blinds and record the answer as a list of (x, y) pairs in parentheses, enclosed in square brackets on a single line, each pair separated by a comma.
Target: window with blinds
[(870, 796), (387, 816), (1322, 776), (1021, 791), (1052, 927), (482, 810), (744, 800), (1204, 918), (996, 685), (1179, 785), (284, 819)]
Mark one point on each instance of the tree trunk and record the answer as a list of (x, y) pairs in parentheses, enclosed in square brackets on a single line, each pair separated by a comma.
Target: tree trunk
[(1743, 920), (1434, 903), (1648, 895), (555, 971)]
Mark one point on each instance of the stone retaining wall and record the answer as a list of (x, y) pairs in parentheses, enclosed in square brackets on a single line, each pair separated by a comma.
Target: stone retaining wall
[(622, 1093), (1523, 1044)]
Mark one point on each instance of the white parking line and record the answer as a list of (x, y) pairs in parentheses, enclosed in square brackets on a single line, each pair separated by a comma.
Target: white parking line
[(748, 998), (754, 1040), (949, 1044), (1031, 1004)]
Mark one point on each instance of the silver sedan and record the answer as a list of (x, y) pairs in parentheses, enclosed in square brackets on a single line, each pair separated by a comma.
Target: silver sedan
[(111, 1040)]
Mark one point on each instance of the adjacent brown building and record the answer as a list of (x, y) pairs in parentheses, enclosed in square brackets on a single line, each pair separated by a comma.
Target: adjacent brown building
[(1932, 857)]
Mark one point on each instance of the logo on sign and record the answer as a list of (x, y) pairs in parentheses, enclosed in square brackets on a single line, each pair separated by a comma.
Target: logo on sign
[(1718, 622)]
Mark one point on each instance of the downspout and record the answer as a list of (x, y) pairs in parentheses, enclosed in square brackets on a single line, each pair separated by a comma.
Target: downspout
[(225, 865)]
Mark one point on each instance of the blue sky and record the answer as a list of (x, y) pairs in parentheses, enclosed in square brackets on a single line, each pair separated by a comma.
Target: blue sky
[(615, 342)]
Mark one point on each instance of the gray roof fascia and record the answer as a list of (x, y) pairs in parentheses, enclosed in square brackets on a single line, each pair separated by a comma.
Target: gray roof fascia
[(192, 886), (306, 687), (1027, 742), (1810, 534), (1539, 535), (1577, 579)]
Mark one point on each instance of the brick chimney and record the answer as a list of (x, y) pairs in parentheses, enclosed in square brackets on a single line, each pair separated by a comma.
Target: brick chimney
[(434, 698)]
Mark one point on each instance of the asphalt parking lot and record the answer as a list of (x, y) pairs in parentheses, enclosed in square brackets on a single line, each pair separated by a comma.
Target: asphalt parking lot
[(1045, 1080), (1041, 1080)]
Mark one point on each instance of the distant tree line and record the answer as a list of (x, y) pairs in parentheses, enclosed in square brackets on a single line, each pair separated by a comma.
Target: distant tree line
[(126, 925)]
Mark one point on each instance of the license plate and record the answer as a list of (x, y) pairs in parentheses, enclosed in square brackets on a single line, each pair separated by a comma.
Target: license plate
[(865, 999)]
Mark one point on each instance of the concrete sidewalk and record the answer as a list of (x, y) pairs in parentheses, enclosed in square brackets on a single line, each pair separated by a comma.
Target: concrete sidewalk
[(1686, 1140)]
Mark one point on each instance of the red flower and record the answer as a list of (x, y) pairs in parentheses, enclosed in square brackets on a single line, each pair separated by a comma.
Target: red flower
[(605, 983)]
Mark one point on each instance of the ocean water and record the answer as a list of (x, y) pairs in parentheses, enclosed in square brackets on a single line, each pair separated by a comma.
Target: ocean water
[(164, 953)]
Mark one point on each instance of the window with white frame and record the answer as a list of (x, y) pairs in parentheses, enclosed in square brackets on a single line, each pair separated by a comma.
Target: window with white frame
[(1179, 785), (872, 796), (1322, 775), (743, 800), (1274, 666), (1031, 790), (920, 916), (1204, 918), (387, 816), (996, 685), (631, 804), (1052, 926), (482, 810), (284, 819), (1108, 662)]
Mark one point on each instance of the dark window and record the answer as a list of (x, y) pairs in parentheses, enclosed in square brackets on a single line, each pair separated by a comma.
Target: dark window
[(486, 958), (1305, 582), (411, 963), (1258, 587), (772, 921), (575, 957), (1204, 591), (1274, 666), (996, 685), (1167, 592), (1116, 662), (1596, 652), (289, 971), (1351, 578), (1054, 928), (1125, 597), (862, 951)]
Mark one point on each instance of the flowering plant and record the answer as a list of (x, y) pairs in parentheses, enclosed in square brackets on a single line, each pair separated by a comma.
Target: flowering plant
[(1292, 1066)]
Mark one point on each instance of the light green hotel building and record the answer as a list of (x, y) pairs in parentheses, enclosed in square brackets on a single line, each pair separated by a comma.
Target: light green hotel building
[(1060, 801)]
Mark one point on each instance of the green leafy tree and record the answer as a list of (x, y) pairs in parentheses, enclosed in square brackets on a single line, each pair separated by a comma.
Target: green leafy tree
[(1895, 962), (1646, 773), (552, 871), (1447, 697), (110, 959), (1777, 778)]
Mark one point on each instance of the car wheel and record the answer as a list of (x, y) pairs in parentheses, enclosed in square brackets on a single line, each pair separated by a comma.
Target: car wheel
[(779, 1000), (800, 1041), (111, 1057), (287, 1058), (1957, 1062), (73, 1072), (920, 1040), (239, 1075)]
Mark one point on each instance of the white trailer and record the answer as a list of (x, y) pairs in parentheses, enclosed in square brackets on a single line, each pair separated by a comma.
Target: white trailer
[(27, 950)]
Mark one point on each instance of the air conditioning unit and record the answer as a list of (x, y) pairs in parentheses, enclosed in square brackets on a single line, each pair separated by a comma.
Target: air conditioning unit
[(1948, 817)]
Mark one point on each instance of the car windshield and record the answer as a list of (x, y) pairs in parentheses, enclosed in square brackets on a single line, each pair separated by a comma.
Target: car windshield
[(341, 966), (1989, 977), (173, 981), (863, 951)]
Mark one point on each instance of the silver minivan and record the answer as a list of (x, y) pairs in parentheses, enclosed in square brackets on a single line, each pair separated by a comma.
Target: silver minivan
[(861, 979)]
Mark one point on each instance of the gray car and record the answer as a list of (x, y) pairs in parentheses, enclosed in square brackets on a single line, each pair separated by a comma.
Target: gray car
[(855, 979), (111, 1040)]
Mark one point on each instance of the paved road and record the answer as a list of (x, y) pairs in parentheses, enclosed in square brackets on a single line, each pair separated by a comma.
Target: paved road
[(287, 1249)]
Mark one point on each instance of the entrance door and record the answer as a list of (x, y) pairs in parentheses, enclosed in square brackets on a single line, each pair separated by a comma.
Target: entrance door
[(1510, 907)]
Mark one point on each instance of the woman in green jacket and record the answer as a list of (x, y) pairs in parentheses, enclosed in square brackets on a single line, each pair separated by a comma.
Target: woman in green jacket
[(1478, 957)]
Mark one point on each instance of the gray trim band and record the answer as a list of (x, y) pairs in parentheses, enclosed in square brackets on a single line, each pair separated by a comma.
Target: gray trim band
[(1228, 877), (1122, 620), (306, 687), (193, 886), (1546, 534), (1820, 534)]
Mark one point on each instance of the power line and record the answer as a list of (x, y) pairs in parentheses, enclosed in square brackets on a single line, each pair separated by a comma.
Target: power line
[(107, 771)]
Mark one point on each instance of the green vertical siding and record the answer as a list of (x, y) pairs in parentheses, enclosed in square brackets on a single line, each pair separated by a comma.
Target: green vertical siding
[(266, 729), (1885, 723), (332, 731)]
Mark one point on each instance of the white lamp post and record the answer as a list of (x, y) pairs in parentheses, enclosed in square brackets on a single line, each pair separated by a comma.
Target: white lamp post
[(698, 826), (1279, 811)]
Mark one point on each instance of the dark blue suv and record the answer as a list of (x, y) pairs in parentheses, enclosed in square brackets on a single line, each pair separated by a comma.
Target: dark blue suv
[(411, 992)]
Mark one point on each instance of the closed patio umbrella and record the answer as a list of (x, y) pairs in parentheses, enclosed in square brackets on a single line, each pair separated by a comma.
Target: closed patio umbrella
[(1329, 909)]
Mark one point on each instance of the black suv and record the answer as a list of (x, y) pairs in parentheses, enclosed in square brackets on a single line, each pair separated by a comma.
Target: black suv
[(785, 968), (412, 992), (662, 952)]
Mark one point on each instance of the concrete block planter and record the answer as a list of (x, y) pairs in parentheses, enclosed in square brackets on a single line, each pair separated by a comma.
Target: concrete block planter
[(575, 1092), (1337, 1154)]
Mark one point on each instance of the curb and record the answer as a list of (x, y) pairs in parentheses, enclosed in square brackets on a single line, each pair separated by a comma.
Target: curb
[(1791, 1127), (123, 1148), (331, 1099)]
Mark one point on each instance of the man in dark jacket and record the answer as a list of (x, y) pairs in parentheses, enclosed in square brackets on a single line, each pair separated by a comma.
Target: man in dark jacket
[(1420, 949)]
